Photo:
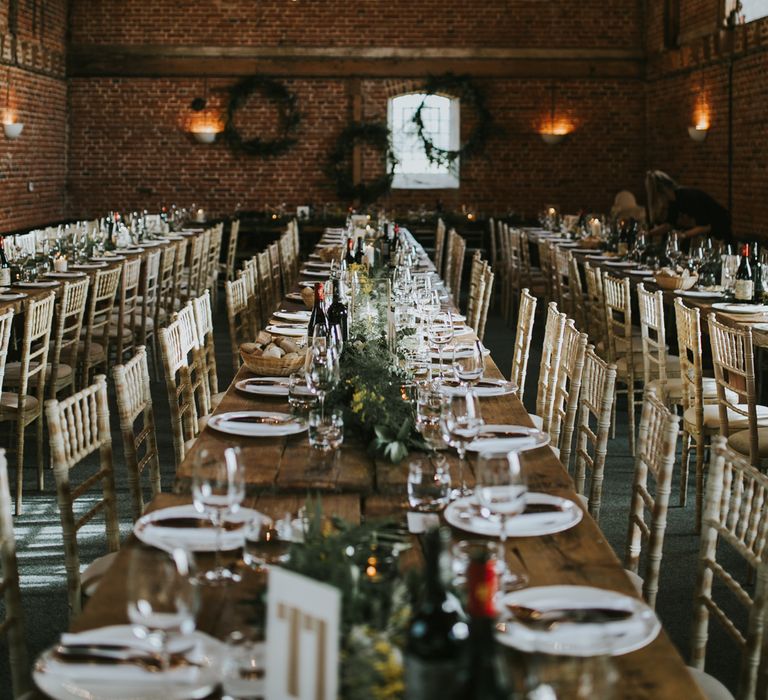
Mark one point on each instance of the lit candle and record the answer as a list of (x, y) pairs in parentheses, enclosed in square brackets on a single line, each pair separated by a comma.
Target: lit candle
[(595, 227), (60, 263), (369, 255), (200, 215)]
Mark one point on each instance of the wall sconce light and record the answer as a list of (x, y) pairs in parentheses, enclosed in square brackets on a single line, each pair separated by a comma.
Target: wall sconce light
[(556, 131), (205, 135), (698, 133), (12, 130)]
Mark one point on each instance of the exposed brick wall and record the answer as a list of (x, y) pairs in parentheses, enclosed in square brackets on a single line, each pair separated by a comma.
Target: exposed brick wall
[(34, 61), (501, 23), (680, 80)]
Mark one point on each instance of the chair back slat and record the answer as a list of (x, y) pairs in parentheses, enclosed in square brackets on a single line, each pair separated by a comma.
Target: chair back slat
[(6, 323), (550, 363), (439, 246), (69, 315), (101, 303), (238, 312), (522, 348)]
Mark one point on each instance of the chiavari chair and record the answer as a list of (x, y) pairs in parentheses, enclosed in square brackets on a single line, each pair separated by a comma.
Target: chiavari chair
[(457, 267), (439, 246), (6, 324), (190, 279), (546, 262), (742, 421), (95, 334), (563, 296), (734, 530), (137, 425), (122, 329), (180, 387), (526, 313), (238, 317), (533, 278), (149, 303), (595, 302), (227, 269), (183, 251), (79, 427), (165, 289), (265, 291), (549, 366), (655, 458), (193, 348), (203, 313), (448, 263), (476, 290), (620, 345), (24, 405), (275, 273), (659, 368), (511, 281), (212, 261), (581, 308), (256, 315), (488, 277), (12, 624), (593, 425), (566, 391), (494, 250)]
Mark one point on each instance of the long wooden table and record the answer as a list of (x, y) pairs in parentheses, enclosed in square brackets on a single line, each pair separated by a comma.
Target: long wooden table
[(280, 473)]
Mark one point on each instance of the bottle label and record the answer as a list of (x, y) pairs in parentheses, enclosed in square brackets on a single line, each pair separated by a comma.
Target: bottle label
[(5, 276), (744, 290)]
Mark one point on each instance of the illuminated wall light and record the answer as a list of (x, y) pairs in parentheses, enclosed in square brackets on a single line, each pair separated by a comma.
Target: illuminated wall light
[(11, 127), (557, 129), (698, 132)]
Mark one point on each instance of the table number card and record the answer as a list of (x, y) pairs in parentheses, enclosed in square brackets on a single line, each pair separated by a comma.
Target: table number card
[(302, 638)]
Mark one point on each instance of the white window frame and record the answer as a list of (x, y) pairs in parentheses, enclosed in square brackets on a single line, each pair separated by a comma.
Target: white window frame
[(438, 176), (751, 10)]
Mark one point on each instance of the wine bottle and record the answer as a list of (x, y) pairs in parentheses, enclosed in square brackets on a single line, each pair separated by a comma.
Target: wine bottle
[(360, 253), (436, 633), (481, 676), (350, 251), (5, 268), (318, 321), (337, 313), (745, 283)]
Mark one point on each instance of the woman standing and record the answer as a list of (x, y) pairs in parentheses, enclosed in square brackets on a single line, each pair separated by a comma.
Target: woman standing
[(690, 209)]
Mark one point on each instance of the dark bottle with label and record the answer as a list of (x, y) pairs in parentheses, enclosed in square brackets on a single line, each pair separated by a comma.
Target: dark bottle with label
[(360, 253), (350, 258), (337, 313), (437, 633), (5, 267), (482, 676), (745, 282), (318, 321), (757, 274)]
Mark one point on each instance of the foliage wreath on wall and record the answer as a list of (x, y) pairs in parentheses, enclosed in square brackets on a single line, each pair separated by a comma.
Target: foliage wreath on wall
[(339, 170), (288, 116), (460, 86)]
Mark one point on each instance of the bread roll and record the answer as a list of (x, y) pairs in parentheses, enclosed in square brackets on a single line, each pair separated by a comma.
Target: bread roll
[(288, 345), (264, 338), (250, 348), (273, 350)]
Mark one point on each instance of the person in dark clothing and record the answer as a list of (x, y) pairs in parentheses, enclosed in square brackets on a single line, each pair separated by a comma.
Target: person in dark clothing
[(692, 210)]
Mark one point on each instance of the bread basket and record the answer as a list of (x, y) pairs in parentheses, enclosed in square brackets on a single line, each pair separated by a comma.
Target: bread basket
[(330, 253), (670, 283), (272, 366)]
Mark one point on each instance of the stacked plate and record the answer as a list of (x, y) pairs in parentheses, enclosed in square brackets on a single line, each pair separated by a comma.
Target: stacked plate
[(257, 424)]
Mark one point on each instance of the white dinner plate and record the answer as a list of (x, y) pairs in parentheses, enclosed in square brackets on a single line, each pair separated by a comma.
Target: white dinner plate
[(577, 638), (107, 258), (698, 294), (621, 263), (224, 423), (567, 244), (591, 251), (89, 265), (289, 331), (318, 265), (149, 244), (448, 354), (12, 296), (464, 514), (763, 327), (740, 308), (41, 284), (322, 274), (505, 438), (198, 535), (64, 275), (598, 256), (484, 387), (70, 681), (641, 272), (264, 386), (294, 296), (131, 250), (293, 315)]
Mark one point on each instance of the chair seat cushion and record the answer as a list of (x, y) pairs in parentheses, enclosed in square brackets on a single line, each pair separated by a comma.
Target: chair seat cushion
[(740, 442), (711, 688), (9, 404), (735, 420), (94, 572), (13, 373), (96, 353)]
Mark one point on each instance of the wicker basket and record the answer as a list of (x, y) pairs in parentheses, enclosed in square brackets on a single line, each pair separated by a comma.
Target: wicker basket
[(272, 366), (678, 282), (331, 253)]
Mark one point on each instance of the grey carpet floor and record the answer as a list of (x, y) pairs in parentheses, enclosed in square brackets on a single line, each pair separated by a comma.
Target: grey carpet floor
[(41, 559)]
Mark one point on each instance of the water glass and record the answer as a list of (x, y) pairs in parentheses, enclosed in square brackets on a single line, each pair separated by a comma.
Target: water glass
[(326, 429), (429, 406), (429, 484), (263, 545), (300, 396), (440, 333), (461, 423), (468, 363), (243, 668), (164, 604)]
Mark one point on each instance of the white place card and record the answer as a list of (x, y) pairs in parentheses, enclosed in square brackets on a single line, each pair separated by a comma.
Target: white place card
[(302, 638)]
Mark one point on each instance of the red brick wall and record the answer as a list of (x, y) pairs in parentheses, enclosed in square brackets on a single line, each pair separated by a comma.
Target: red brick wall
[(500, 23), (38, 98), (682, 79)]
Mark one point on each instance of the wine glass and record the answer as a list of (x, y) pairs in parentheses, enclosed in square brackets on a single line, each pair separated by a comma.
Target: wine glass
[(672, 249), (468, 363), (641, 243), (440, 331), (461, 422), (162, 597), (429, 406), (501, 490), (321, 369), (218, 489)]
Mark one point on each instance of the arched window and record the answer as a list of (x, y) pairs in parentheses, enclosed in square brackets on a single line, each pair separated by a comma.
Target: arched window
[(441, 121)]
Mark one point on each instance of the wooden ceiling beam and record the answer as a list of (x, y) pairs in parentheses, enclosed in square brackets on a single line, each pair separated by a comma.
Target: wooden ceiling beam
[(182, 61)]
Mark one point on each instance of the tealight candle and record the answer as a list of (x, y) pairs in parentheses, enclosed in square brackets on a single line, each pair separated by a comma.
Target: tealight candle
[(60, 263)]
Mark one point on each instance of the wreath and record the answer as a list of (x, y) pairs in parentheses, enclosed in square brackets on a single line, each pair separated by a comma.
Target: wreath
[(462, 87), (288, 116), (374, 134)]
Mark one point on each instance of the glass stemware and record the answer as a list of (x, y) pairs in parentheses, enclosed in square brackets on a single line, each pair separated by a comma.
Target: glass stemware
[(672, 249), (501, 490), (468, 363), (429, 406), (321, 369), (162, 597), (440, 331), (461, 422), (218, 489)]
